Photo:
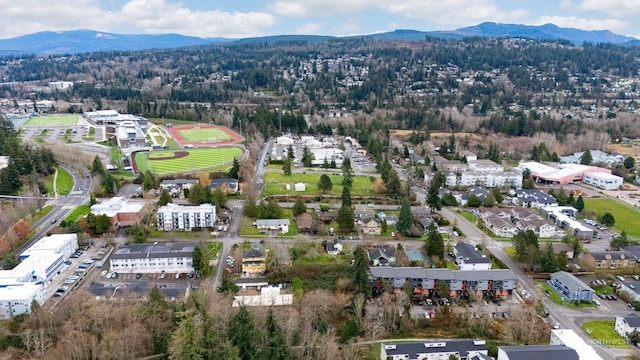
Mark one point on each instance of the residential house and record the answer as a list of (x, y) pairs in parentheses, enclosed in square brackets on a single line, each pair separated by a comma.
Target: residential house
[(533, 198), (570, 288), (371, 226), (304, 222), (436, 349), (334, 247), (500, 226), (382, 256), (535, 352), (282, 225), (610, 259), (468, 258), (460, 283), (254, 259), (560, 246), (625, 325), (390, 219), (228, 185), (176, 187), (521, 213), (540, 227), (425, 223)]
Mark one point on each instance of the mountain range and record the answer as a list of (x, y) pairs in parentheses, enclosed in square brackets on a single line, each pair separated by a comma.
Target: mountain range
[(81, 41)]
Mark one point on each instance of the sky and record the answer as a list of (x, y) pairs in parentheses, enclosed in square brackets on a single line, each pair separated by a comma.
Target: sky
[(249, 18)]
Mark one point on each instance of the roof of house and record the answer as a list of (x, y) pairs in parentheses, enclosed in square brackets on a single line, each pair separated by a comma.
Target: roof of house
[(531, 195), (570, 281), (164, 250), (462, 347), (231, 183), (272, 222), (335, 245), (304, 221), (441, 274), (179, 181), (613, 255), (469, 254), (425, 222), (256, 251), (379, 252), (481, 357), (633, 320), (535, 352), (634, 249)]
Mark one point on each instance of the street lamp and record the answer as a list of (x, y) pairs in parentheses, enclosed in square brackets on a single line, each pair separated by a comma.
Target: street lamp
[(114, 291)]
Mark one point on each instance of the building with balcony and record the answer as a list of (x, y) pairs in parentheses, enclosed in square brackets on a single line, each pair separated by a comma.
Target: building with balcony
[(172, 217)]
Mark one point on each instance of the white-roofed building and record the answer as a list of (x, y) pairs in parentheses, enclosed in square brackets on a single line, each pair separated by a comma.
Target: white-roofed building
[(186, 218), (570, 339), (28, 281), (563, 174), (121, 211), (603, 181), (130, 135)]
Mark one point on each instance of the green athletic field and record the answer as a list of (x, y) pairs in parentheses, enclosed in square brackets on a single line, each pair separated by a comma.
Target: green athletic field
[(197, 159), (204, 135), (52, 120)]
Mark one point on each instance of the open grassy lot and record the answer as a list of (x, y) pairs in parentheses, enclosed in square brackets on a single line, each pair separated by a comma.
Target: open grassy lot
[(166, 162), (80, 211), (39, 214), (275, 184), (626, 216), (602, 331), (52, 120), (64, 182), (204, 134)]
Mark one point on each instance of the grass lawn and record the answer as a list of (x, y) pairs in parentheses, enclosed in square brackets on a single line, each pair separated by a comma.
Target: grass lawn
[(275, 184), (197, 159), (511, 252), (213, 248), (468, 216), (555, 297), (52, 120), (64, 181), (116, 156), (39, 214), (602, 331), (625, 215), (451, 265), (204, 135), (247, 228), (605, 290), (81, 210)]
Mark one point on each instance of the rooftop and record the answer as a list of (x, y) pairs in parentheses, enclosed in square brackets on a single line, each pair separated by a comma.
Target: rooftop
[(536, 352), (164, 250), (462, 347), (570, 281)]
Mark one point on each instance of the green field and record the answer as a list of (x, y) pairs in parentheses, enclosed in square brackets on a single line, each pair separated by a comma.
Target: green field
[(52, 120), (625, 215), (198, 159), (602, 331), (275, 184), (204, 135), (80, 211)]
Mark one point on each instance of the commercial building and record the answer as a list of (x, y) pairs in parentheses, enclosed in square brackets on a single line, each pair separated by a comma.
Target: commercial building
[(155, 258), (121, 211), (436, 349), (28, 281), (129, 135), (603, 181), (112, 117), (625, 325), (536, 352), (185, 218), (570, 288), (468, 258), (425, 282), (563, 217), (563, 174), (570, 339)]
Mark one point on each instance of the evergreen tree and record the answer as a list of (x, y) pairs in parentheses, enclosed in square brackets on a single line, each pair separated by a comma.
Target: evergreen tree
[(298, 207), (346, 219), (149, 181), (290, 153), (275, 347), (10, 181), (242, 334), (434, 245), (139, 234), (394, 190), (629, 162), (497, 195), (607, 219), (620, 241), (494, 153), (325, 183), (164, 198), (562, 260), (346, 196), (97, 168), (473, 201), (586, 158), (286, 167), (235, 169), (361, 281), (433, 194), (525, 243), (579, 203), (405, 220), (306, 157), (548, 261), (490, 200), (185, 343)]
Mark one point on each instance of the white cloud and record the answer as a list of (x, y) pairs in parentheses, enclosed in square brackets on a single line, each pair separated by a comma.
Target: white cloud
[(622, 8), (309, 29), (138, 16), (306, 8), (614, 25)]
